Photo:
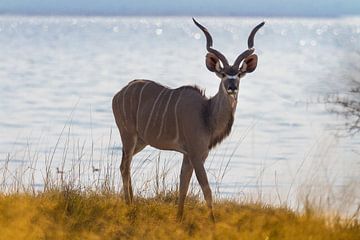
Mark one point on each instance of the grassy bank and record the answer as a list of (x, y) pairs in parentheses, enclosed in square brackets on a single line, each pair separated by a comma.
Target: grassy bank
[(72, 191), (68, 214)]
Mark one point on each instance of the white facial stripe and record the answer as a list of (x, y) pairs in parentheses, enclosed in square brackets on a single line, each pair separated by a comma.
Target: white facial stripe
[(231, 76)]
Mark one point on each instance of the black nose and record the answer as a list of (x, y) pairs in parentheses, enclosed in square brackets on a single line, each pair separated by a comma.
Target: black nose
[(232, 87)]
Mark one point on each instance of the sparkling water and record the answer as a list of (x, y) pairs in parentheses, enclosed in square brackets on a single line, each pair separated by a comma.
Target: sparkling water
[(59, 74)]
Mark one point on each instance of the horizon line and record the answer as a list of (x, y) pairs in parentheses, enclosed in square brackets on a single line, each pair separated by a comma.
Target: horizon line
[(176, 15)]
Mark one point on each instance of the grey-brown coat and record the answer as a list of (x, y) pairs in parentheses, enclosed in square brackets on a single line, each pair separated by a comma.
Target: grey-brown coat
[(181, 119)]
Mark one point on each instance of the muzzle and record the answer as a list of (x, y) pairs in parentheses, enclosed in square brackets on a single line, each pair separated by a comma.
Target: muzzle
[(232, 88)]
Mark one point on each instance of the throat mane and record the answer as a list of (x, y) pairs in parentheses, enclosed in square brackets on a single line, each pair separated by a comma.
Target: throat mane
[(219, 126)]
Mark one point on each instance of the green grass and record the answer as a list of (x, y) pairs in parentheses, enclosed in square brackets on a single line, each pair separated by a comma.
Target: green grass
[(71, 214)]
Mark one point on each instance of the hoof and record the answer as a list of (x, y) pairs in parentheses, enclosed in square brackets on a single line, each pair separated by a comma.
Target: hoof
[(211, 217), (179, 217)]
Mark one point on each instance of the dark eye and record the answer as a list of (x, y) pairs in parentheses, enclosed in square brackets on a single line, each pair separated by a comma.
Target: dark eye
[(223, 75)]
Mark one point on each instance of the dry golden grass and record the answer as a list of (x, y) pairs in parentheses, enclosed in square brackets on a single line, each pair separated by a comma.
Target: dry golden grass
[(72, 200), (69, 214)]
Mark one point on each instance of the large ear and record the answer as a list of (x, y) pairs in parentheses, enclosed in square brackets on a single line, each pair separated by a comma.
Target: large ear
[(249, 64), (213, 62)]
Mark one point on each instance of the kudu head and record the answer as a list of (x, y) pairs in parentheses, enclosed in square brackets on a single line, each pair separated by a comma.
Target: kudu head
[(230, 74)]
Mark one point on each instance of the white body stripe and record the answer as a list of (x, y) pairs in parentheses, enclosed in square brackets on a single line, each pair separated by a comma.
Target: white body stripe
[(176, 119), (138, 108), (123, 104), (160, 110), (163, 116), (152, 111)]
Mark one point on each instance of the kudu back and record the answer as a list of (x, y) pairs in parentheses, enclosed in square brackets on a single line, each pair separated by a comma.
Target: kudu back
[(181, 119)]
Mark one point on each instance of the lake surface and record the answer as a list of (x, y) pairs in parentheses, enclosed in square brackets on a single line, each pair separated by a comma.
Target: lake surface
[(58, 76)]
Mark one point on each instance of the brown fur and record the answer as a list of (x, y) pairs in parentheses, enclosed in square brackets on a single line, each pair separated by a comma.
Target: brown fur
[(210, 125), (196, 88)]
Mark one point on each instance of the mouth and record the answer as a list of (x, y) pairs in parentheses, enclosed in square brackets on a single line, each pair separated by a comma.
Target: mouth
[(232, 93)]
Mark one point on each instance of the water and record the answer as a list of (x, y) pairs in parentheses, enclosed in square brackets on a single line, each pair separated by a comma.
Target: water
[(63, 71)]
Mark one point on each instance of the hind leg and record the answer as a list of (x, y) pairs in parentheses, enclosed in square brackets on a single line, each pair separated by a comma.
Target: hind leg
[(128, 150), (140, 145), (131, 146)]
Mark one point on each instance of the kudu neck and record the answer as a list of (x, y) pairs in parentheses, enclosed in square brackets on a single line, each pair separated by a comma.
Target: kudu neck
[(222, 103), (221, 116), (222, 110)]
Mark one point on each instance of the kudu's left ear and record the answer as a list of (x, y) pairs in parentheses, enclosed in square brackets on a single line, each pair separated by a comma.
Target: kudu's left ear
[(249, 64)]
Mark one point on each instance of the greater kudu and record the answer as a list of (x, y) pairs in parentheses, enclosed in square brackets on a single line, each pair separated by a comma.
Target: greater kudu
[(181, 119)]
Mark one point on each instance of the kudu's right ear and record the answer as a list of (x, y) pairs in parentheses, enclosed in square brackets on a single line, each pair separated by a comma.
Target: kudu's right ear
[(213, 63)]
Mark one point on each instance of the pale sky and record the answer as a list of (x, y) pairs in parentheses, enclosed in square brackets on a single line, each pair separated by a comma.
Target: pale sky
[(320, 8)]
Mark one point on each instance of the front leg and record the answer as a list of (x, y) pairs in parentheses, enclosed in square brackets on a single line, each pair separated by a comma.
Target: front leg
[(185, 176), (198, 164)]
